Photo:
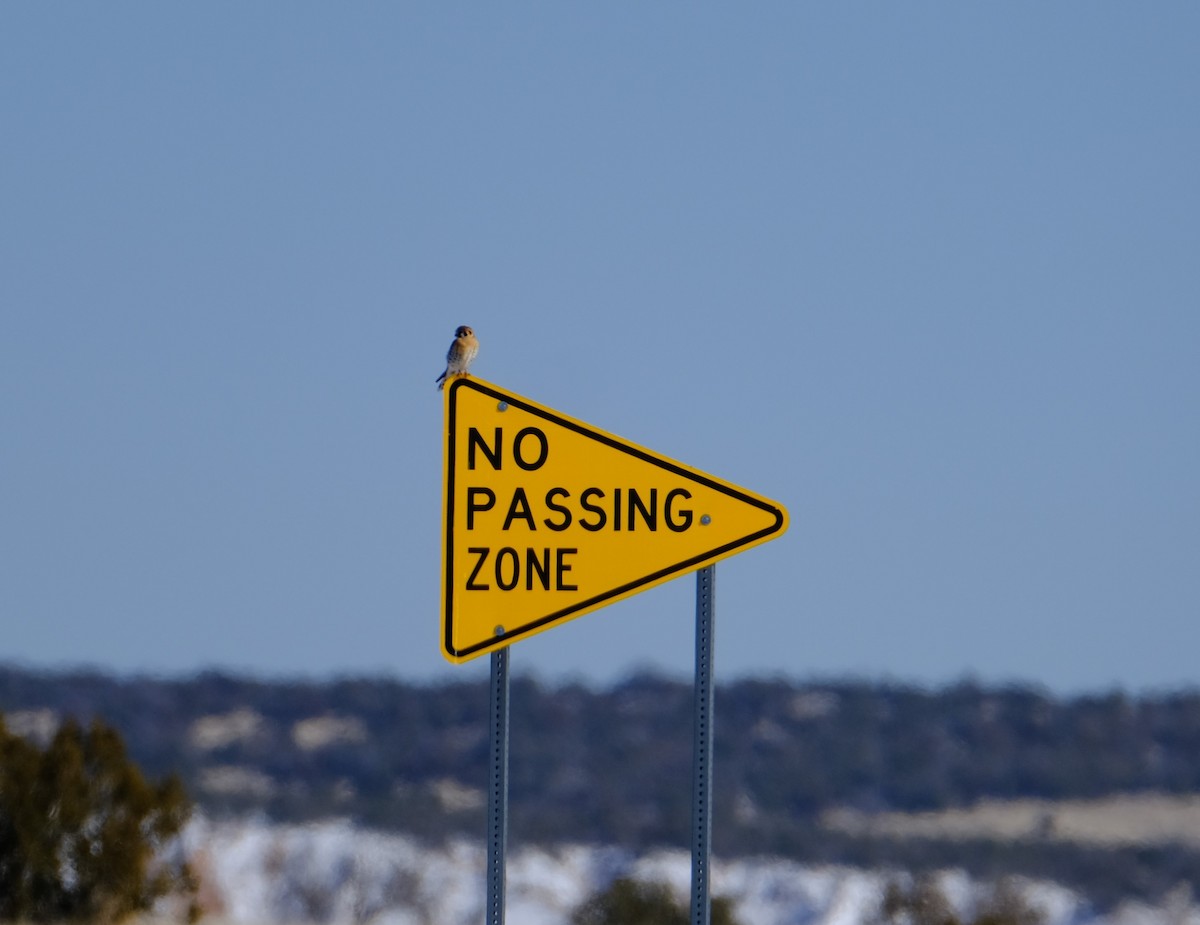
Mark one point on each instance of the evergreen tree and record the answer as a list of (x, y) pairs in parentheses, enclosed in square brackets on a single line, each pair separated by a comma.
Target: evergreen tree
[(82, 830)]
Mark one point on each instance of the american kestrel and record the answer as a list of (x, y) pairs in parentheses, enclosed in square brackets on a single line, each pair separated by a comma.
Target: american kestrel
[(462, 351)]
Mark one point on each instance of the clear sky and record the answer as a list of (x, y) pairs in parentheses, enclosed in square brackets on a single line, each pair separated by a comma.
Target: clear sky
[(928, 274)]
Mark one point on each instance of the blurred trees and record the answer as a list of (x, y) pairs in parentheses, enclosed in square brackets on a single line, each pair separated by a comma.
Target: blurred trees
[(82, 831), (610, 762)]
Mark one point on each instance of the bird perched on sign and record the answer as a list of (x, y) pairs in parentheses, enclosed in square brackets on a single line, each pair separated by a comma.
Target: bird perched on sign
[(458, 358)]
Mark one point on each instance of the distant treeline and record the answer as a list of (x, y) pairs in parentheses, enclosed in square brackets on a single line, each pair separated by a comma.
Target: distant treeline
[(613, 765)]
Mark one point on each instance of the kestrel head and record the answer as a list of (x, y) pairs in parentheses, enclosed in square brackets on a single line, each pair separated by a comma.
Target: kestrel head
[(463, 331)]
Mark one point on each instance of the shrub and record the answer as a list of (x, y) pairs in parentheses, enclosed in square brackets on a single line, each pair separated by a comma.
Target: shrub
[(631, 902), (923, 903)]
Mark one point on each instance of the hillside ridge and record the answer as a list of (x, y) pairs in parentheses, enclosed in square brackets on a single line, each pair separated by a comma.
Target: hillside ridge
[(613, 765)]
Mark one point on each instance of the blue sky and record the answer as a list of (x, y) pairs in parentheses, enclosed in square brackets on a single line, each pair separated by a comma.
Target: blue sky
[(926, 274)]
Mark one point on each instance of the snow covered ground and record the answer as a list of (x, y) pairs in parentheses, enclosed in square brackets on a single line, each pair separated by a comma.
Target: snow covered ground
[(256, 873)]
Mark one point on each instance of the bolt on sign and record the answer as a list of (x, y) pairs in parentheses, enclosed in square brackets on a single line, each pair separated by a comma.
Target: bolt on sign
[(548, 518)]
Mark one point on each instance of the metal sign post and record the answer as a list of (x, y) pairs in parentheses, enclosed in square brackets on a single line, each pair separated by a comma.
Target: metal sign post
[(702, 747), (498, 788)]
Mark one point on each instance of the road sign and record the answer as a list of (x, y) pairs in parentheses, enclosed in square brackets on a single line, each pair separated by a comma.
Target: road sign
[(548, 518)]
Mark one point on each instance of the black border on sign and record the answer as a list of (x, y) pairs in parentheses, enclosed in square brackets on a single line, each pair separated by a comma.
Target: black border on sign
[(598, 600)]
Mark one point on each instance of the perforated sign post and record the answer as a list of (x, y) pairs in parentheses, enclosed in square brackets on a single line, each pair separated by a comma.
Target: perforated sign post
[(548, 518)]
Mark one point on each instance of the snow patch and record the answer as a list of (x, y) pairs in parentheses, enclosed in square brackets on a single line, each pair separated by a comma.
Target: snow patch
[(257, 873)]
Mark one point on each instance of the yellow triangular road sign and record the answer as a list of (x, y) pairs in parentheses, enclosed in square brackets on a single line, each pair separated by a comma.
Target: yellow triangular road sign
[(548, 518)]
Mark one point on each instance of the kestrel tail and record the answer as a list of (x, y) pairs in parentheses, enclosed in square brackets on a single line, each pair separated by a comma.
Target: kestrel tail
[(458, 358)]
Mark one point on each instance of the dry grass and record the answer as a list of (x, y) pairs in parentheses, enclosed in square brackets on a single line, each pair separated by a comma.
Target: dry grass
[(1136, 819)]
